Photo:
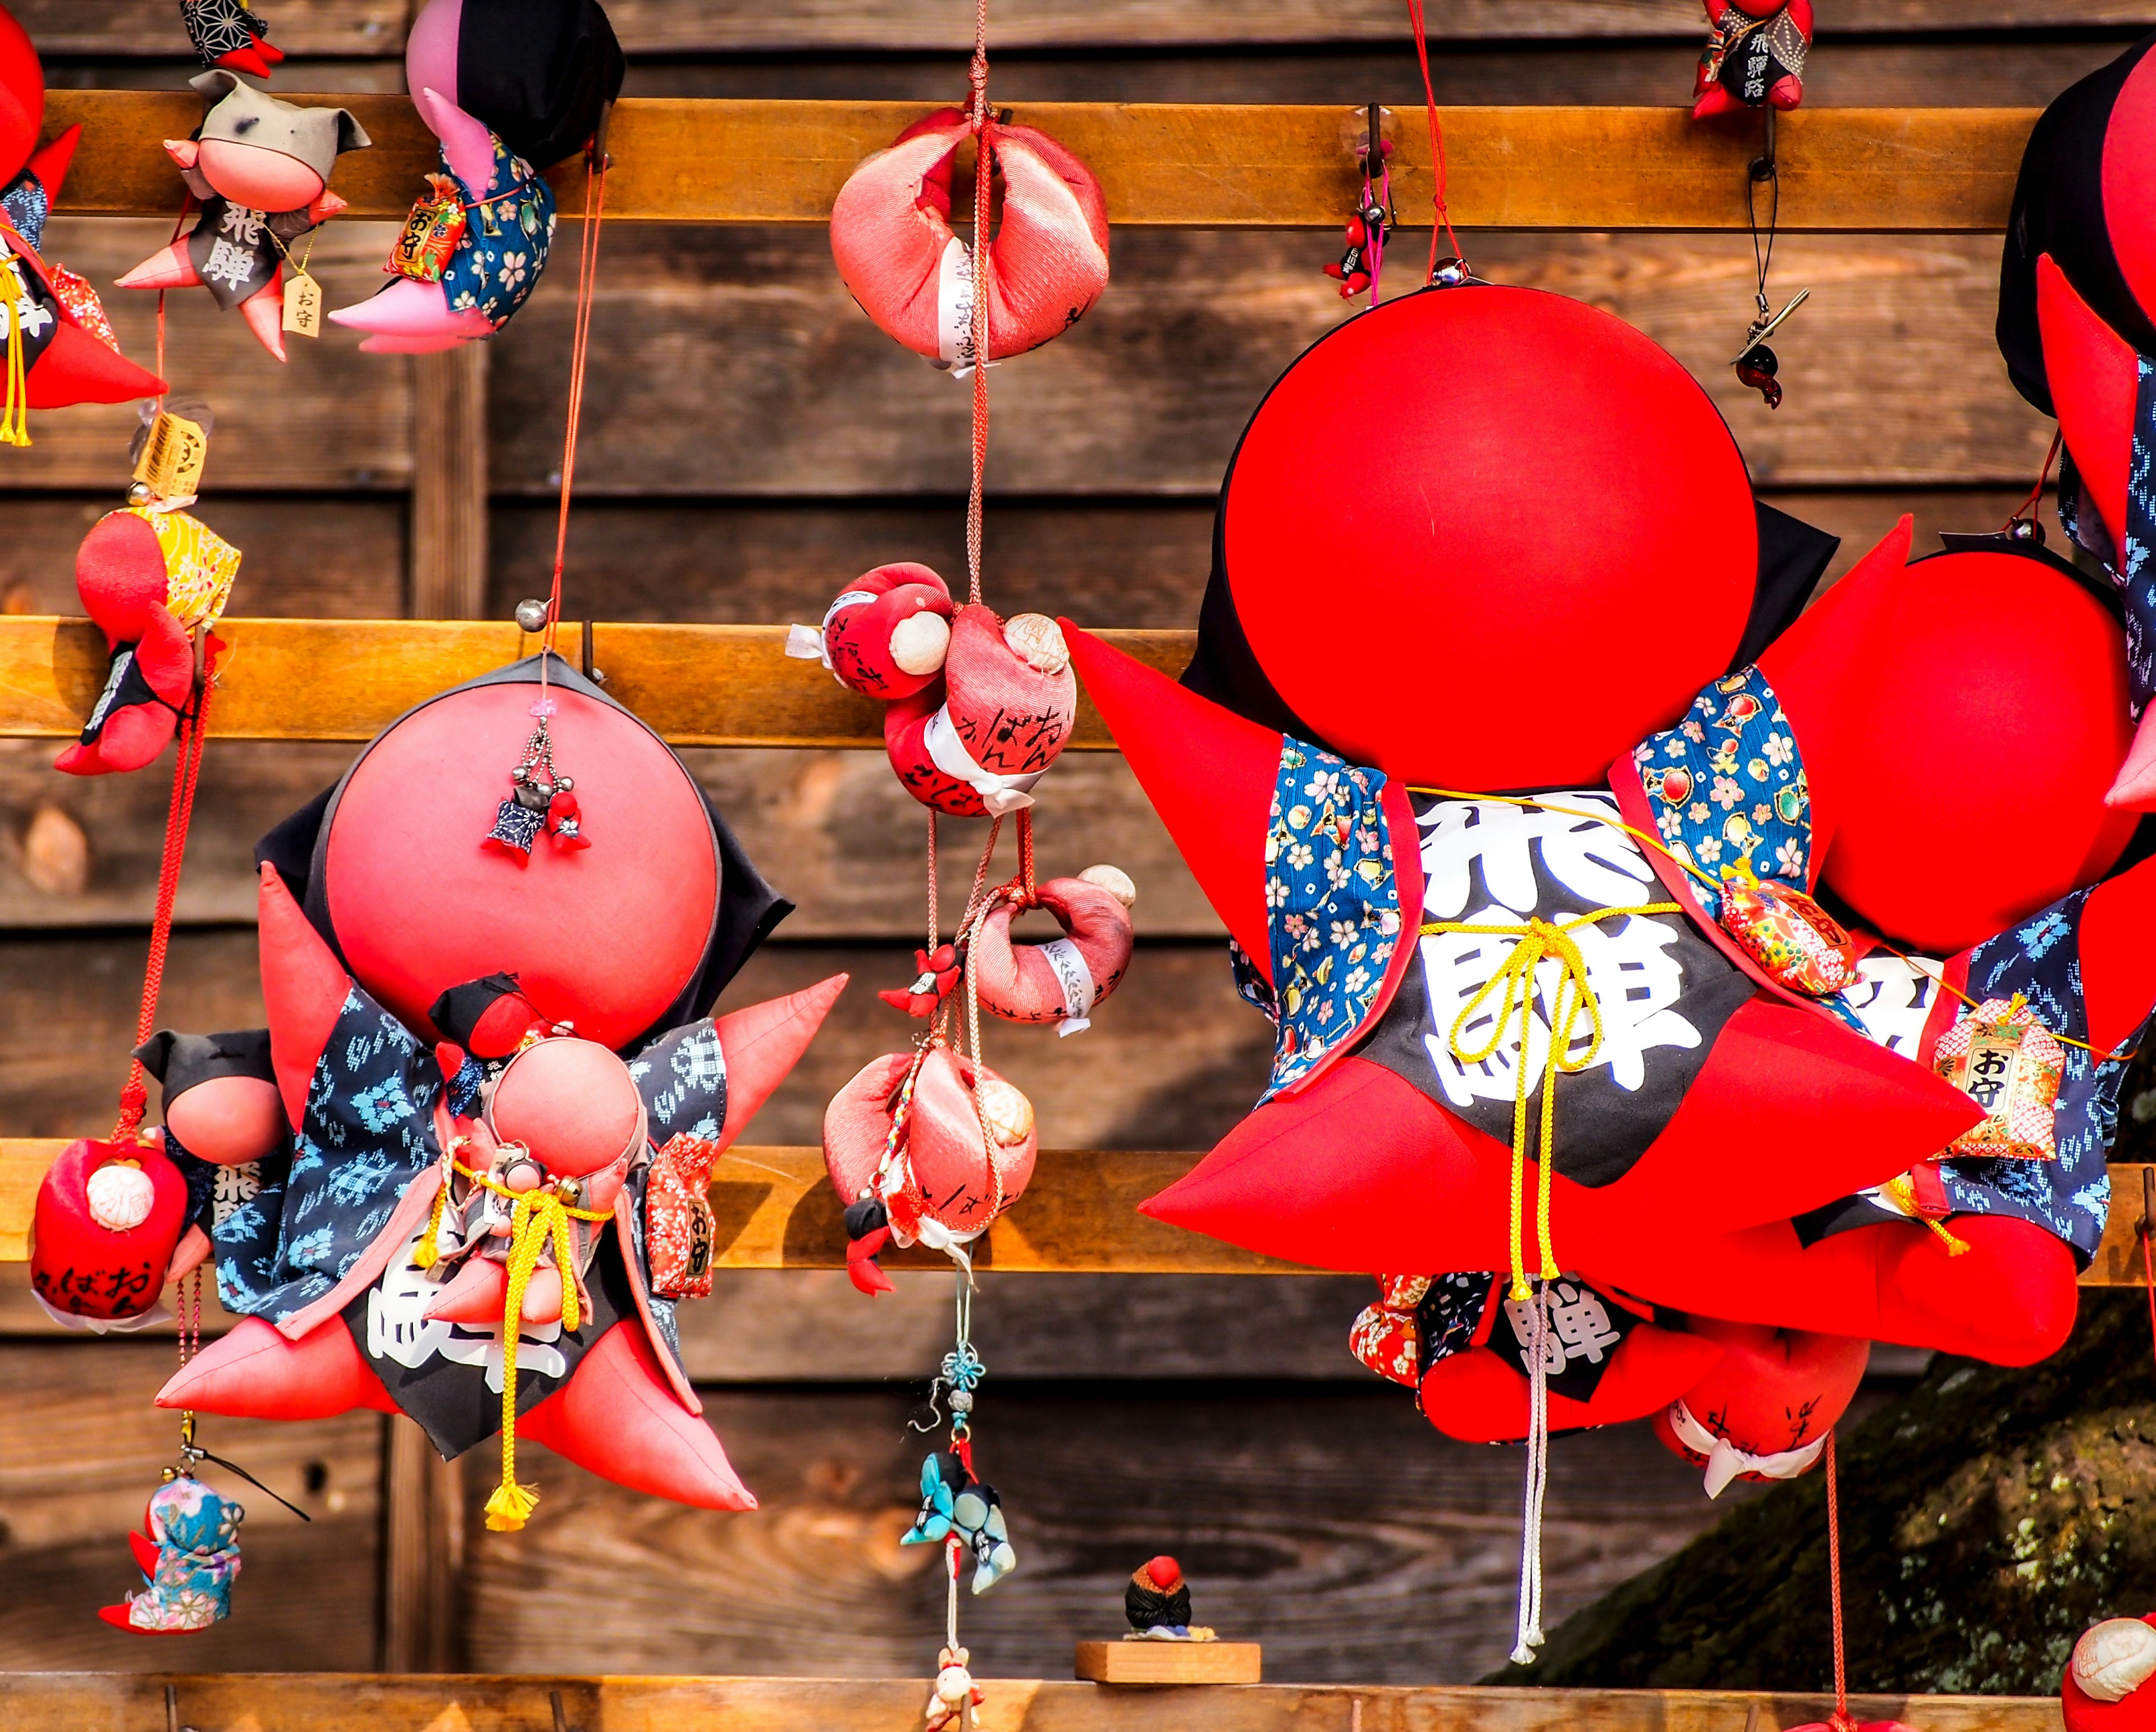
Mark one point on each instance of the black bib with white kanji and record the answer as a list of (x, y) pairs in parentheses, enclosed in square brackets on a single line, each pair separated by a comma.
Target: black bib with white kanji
[(1666, 992)]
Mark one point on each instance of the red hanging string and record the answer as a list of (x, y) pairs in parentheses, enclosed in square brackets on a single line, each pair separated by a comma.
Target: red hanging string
[(187, 771), (1443, 224), (983, 154), (587, 273), (1841, 1721), (2033, 506)]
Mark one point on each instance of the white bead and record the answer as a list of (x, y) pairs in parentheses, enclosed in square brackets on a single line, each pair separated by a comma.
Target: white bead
[(120, 1198), (918, 643), (2113, 1657), (1114, 880), (1009, 1114), (1038, 640)]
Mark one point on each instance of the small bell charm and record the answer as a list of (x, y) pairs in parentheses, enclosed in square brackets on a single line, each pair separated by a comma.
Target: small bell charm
[(539, 801)]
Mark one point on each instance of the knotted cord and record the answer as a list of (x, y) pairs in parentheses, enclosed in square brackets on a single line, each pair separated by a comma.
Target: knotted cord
[(983, 270), (15, 398), (1841, 1721), (1442, 223), (1528, 1627), (1536, 941)]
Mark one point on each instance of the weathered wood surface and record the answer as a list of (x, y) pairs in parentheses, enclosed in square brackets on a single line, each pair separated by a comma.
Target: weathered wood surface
[(1186, 1056), (1335, 1527), (338, 557), (316, 679), (81, 1450), (1266, 166), (1118, 1661), (352, 28), (1891, 375), (330, 420), (448, 484), (63, 1702)]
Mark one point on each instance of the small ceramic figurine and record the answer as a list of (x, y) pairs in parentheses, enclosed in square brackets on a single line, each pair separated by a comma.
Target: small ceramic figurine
[(1157, 1604)]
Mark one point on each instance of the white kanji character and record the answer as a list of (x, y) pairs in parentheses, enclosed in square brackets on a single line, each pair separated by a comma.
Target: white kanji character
[(1598, 862), (242, 224), (228, 264), (1580, 1322), (35, 318), (1892, 997)]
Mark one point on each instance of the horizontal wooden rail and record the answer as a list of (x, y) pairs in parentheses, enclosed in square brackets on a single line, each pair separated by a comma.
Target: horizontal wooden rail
[(136, 1701), (344, 680), (1182, 165), (1078, 1215), (775, 1210)]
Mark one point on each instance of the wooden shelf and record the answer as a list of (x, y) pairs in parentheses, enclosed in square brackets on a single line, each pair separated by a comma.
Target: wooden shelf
[(1181, 165), (66, 1701), (776, 1211), (347, 680)]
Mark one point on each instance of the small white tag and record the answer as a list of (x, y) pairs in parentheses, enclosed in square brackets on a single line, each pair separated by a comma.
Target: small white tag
[(303, 305)]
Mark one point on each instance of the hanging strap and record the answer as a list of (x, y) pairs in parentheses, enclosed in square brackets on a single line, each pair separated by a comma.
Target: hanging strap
[(186, 776)]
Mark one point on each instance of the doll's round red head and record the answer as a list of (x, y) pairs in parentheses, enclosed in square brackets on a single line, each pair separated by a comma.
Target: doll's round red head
[(626, 934), (1774, 1392), (1481, 537), (22, 98)]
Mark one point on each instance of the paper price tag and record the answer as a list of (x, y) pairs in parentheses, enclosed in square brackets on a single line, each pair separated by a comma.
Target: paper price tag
[(303, 305)]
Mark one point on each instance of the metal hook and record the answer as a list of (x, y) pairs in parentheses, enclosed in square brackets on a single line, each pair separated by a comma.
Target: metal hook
[(591, 673), (172, 1710), (2146, 1229), (1373, 145), (561, 1715)]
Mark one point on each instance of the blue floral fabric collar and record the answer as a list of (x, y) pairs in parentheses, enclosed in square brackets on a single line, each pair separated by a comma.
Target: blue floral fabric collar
[(1334, 909), (497, 262), (1726, 784)]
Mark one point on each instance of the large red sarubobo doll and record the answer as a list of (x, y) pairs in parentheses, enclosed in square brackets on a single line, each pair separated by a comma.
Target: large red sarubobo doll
[(1566, 521), (488, 1021)]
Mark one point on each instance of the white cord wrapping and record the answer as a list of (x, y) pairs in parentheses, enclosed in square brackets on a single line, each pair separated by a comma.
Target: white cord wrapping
[(1527, 1630)]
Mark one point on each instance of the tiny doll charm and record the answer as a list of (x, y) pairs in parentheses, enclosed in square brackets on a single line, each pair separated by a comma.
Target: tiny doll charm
[(540, 799), (188, 1560), (1366, 230), (1757, 365)]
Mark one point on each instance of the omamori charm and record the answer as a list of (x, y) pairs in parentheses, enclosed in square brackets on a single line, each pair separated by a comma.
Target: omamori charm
[(2011, 1065)]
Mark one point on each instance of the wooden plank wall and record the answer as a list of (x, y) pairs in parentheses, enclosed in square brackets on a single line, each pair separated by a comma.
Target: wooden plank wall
[(751, 441)]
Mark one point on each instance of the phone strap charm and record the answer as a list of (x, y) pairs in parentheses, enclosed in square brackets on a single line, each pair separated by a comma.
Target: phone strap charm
[(540, 798)]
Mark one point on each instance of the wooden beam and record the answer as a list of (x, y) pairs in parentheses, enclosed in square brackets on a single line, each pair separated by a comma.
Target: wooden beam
[(344, 680), (64, 1702), (1182, 165), (1078, 1215), (449, 483), (422, 1543)]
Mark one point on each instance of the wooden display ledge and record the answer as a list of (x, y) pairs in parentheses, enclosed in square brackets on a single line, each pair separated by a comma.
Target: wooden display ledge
[(1178, 164), (124, 1701), (775, 1210), (347, 680), (1155, 1663)]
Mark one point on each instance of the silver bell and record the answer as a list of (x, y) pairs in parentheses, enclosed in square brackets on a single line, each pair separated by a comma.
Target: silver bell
[(531, 616)]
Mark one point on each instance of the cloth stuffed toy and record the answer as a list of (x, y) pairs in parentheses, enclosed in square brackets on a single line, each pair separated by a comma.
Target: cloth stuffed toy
[(2077, 326), (509, 87), (505, 1091), (890, 235), (60, 346), (104, 1231), (2102, 1690), (149, 577), (1465, 1350), (979, 706), (227, 33), (1975, 1248), (1764, 1410), (1751, 60), (1548, 471), (260, 170), (1061, 981), (188, 1557), (223, 1119)]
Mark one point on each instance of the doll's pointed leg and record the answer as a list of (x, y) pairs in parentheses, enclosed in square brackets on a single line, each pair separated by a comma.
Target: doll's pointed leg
[(257, 1373), (616, 1418), (763, 1042), (170, 267), (473, 1295), (304, 986), (263, 311)]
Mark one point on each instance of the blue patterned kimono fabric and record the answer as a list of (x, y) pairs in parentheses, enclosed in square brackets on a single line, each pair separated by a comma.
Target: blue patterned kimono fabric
[(506, 238), (26, 205), (1334, 909), (2137, 573), (368, 1132), (2070, 1197), (1727, 784)]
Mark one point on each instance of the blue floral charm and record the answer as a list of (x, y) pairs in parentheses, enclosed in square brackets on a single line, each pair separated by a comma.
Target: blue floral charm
[(188, 1561), (953, 1502)]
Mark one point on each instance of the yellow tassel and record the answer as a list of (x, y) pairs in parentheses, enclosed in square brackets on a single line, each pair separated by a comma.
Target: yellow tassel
[(1903, 1190), (1536, 941), (536, 1218), (1955, 1246), (424, 1254), (15, 400), (508, 1510)]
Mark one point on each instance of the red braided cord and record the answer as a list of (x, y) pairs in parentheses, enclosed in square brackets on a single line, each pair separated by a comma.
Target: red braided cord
[(1029, 892), (135, 1093), (1841, 1720), (2033, 506), (588, 275), (1443, 225), (983, 166)]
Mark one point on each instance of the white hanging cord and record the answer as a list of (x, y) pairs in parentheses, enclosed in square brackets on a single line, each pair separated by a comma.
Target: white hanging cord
[(1528, 1629)]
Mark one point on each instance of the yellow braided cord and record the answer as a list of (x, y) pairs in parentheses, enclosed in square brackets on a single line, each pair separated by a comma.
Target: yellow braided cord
[(1903, 1190), (1537, 940), (537, 1219), (425, 1253), (15, 400)]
